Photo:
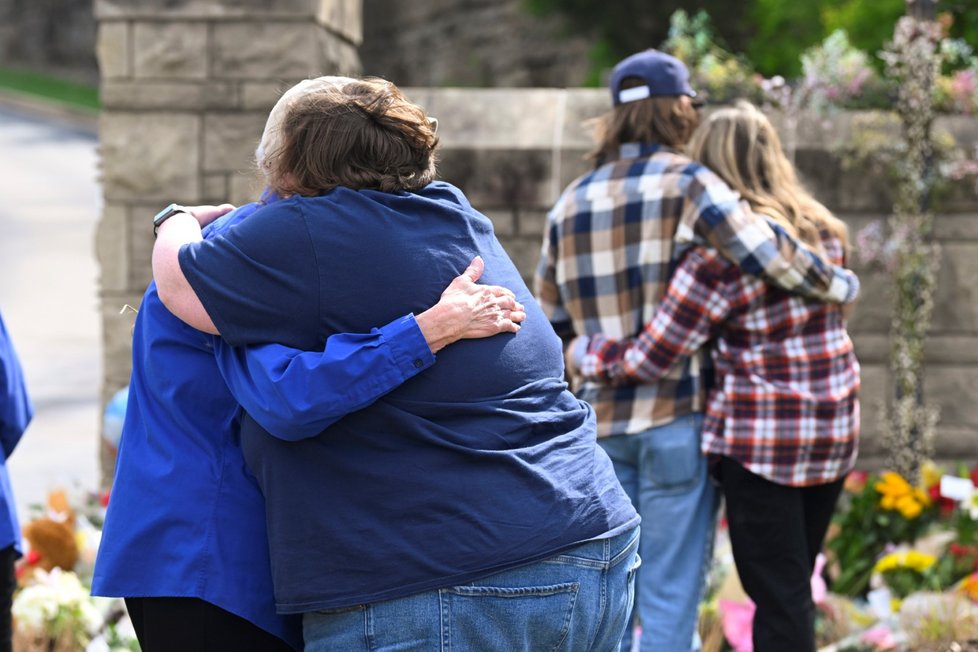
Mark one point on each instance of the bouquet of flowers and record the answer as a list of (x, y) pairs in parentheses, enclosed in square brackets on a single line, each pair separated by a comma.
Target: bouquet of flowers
[(874, 513), (55, 613)]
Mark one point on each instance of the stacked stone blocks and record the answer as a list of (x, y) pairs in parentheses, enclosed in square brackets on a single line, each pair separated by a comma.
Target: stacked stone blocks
[(186, 86)]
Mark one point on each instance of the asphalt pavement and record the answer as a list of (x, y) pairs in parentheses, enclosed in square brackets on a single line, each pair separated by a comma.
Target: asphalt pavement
[(49, 207)]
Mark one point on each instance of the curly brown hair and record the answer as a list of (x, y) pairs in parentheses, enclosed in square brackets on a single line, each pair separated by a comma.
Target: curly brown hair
[(359, 134)]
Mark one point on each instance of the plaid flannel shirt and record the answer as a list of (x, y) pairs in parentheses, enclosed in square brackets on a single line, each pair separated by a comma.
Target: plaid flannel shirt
[(785, 402), (612, 241)]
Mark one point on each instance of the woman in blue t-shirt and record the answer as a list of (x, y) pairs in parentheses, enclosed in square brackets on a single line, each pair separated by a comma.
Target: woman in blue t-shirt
[(468, 508), (185, 540)]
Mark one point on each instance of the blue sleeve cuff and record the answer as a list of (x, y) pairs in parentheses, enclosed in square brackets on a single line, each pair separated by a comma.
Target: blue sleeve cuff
[(408, 346)]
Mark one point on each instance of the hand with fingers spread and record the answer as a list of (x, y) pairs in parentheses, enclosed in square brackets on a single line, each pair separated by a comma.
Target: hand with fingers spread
[(469, 311)]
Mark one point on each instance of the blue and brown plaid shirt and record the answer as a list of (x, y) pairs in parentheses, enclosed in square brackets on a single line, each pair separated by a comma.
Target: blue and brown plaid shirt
[(612, 242)]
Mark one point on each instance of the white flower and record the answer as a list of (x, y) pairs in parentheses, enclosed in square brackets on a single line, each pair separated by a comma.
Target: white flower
[(56, 597), (973, 506)]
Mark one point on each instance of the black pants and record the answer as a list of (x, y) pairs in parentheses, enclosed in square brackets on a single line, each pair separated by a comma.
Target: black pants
[(776, 533), (8, 583), (193, 625)]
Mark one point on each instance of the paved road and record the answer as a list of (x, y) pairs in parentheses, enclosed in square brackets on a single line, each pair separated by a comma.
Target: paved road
[(49, 205)]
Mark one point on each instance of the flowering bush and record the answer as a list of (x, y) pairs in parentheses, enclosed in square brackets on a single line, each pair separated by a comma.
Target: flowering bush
[(956, 91), (719, 74), (836, 74)]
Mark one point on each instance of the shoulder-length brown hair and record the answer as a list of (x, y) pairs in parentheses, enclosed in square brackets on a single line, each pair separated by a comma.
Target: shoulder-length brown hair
[(668, 120), (360, 134)]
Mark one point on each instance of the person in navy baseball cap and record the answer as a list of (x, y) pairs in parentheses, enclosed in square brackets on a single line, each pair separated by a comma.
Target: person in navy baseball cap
[(664, 75), (653, 103)]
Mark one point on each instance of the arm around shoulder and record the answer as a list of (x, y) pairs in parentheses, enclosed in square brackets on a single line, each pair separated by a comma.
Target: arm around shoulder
[(174, 289), (716, 216)]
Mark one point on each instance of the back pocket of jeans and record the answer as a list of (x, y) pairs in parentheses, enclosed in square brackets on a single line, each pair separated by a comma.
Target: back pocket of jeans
[(674, 463), (510, 618)]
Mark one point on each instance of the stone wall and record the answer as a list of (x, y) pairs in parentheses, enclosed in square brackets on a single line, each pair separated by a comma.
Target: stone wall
[(432, 43), (186, 87), (470, 43)]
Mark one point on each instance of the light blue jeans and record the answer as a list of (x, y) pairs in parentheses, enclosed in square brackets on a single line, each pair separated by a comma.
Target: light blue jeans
[(580, 600), (665, 475)]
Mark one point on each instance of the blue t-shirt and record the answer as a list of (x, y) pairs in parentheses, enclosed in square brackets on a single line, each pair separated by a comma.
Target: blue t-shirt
[(481, 463), (16, 412), (186, 517)]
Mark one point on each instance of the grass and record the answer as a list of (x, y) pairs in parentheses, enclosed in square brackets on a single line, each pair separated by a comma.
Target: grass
[(59, 90)]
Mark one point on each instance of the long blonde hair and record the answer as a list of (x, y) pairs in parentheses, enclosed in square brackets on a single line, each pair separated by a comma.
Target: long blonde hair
[(742, 147)]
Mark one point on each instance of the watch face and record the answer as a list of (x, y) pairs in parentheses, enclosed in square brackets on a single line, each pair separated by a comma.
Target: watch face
[(161, 217), (163, 213)]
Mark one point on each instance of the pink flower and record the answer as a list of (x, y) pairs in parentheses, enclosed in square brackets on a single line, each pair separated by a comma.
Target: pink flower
[(737, 618), (856, 480), (819, 589), (855, 85), (880, 637), (964, 85), (738, 623)]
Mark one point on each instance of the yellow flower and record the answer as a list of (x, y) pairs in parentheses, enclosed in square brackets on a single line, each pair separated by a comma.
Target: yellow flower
[(887, 562), (930, 474), (922, 497), (919, 561), (892, 483), (909, 559), (908, 507), (895, 604), (897, 494)]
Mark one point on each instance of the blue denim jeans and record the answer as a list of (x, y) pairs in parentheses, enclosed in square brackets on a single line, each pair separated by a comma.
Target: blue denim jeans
[(665, 475), (577, 601)]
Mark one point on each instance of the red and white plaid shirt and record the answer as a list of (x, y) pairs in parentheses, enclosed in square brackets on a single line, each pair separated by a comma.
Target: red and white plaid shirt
[(785, 403)]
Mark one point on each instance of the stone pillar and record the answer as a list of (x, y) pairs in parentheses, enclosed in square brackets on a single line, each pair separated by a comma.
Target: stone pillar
[(186, 86)]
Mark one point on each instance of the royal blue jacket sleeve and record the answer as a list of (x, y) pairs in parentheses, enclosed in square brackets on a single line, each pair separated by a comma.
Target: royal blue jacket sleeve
[(16, 409), (297, 394)]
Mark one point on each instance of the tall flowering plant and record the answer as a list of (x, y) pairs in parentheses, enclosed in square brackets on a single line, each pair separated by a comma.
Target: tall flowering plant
[(912, 60)]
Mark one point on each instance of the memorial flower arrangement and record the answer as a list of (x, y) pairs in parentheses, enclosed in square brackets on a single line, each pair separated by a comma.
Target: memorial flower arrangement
[(53, 610), (907, 571), (907, 555), (874, 513), (902, 570)]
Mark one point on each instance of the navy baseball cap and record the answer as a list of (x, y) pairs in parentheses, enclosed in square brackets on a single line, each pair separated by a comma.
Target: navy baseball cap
[(663, 75)]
